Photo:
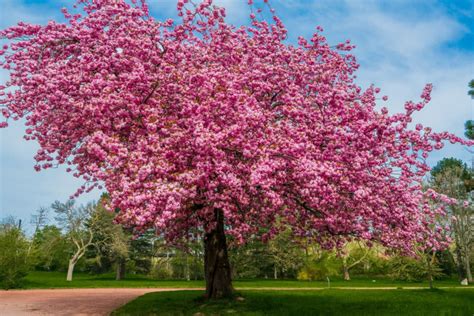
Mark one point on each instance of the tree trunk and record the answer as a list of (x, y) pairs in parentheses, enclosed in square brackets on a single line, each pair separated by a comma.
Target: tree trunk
[(468, 268), (120, 272), (216, 261), (275, 272), (188, 270), (70, 269), (347, 276), (459, 264)]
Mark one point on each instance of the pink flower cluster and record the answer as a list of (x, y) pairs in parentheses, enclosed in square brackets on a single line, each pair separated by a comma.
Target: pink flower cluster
[(178, 118)]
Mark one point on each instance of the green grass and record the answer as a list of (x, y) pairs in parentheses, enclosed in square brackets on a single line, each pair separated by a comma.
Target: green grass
[(51, 280), (45, 280), (322, 302)]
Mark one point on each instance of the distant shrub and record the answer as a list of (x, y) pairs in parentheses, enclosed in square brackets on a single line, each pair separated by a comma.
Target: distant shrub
[(14, 264), (161, 272), (319, 267), (412, 269)]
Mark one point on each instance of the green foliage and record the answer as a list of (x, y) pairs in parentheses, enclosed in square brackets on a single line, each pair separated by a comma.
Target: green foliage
[(50, 249), (452, 177), (469, 129), (184, 262), (319, 267), (111, 242), (446, 263), (280, 257), (413, 270), (14, 256), (451, 163), (161, 271), (251, 260), (471, 88), (141, 252)]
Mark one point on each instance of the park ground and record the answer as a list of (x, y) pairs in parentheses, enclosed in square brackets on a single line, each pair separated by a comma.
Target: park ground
[(48, 293)]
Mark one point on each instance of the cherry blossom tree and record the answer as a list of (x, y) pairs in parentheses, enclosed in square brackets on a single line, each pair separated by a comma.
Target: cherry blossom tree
[(198, 124)]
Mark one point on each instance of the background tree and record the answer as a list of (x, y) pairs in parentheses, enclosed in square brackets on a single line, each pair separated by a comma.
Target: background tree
[(286, 254), (73, 221), (14, 257), (110, 244), (199, 124), (353, 254), (469, 125), (452, 177), (471, 88), (50, 247)]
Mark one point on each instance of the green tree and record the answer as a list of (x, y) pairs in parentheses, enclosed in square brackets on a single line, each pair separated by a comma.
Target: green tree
[(469, 125), (50, 247), (110, 244), (14, 258), (471, 88), (452, 177), (73, 221)]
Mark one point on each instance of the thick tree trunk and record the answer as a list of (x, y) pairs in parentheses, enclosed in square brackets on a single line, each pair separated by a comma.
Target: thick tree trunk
[(70, 270), (120, 272), (216, 261)]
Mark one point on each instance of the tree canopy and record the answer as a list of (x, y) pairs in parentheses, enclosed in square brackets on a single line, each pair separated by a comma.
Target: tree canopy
[(182, 118)]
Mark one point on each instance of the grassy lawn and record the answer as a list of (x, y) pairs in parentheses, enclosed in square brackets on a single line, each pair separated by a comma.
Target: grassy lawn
[(44, 280), (50, 280), (323, 302)]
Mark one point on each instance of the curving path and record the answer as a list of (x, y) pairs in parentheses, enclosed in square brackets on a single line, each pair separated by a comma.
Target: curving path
[(67, 301)]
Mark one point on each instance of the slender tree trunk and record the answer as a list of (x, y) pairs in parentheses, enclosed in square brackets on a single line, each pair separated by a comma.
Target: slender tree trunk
[(430, 270), (216, 261), (345, 269), (188, 270), (459, 264), (120, 272), (70, 269), (275, 272), (347, 276), (468, 269)]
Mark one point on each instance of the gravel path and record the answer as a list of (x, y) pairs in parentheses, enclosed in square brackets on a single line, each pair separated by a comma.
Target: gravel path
[(67, 301)]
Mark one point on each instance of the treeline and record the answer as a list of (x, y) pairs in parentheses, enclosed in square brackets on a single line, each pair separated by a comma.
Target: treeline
[(86, 239)]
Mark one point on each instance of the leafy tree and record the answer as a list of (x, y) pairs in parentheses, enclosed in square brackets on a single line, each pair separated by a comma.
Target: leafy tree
[(198, 124), (469, 125), (319, 265), (14, 258), (50, 248), (110, 244), (471, 88), (251, 260), (353, 254), (286, 254), (423, 267), (73, 221), (469, 129), (452, 177)]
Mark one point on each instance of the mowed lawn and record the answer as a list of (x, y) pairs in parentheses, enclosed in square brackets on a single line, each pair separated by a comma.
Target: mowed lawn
[(49, 280), (303, 302)]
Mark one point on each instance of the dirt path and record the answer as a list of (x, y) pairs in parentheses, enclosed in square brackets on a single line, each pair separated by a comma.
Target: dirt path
[(58, 302), (67, 301)]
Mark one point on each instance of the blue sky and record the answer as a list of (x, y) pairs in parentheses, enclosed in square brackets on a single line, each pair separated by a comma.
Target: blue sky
[(401, 45)]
